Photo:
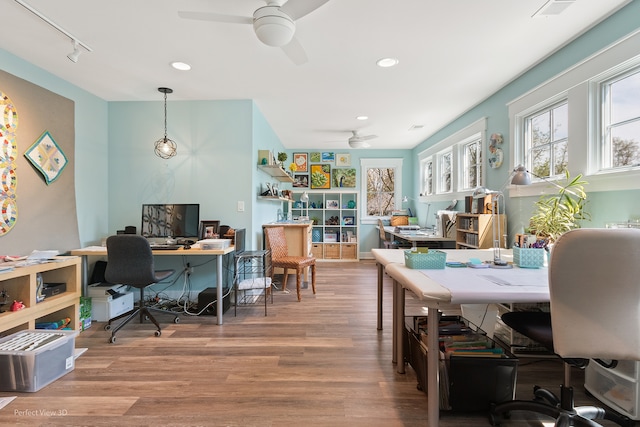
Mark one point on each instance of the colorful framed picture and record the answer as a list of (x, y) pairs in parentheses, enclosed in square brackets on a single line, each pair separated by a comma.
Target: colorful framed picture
[(345, 178), (328, 157), (301, 161), (348, 220), (332, 204), (320, 176), (314, 157), (343, 159), (301, 180)]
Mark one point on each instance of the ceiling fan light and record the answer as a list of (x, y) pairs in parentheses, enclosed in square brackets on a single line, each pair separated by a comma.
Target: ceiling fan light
[(273, 27)]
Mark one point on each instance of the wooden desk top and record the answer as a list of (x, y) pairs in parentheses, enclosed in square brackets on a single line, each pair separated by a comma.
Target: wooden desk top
[(102, 250)]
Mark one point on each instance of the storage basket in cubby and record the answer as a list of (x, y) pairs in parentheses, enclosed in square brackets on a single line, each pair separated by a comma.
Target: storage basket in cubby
[(528, 257), (432, 260)]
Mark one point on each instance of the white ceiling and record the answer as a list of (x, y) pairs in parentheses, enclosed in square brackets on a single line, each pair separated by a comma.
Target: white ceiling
[(453, 54)]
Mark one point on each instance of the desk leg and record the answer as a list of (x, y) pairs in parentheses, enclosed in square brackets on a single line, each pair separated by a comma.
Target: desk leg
[(85, 275), (433, 371), (399, 327), (219, 292), (380, 277)]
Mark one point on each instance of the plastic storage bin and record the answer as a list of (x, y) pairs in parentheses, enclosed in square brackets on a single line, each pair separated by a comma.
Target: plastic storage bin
[(33, 359), (528, 257), (432, 260), (617, 388)]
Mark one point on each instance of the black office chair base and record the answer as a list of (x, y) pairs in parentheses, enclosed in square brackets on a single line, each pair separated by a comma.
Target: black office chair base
[(144, 313), (562, 410)]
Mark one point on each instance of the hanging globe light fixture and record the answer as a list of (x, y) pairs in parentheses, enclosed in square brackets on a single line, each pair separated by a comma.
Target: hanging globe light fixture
[(164, 147)]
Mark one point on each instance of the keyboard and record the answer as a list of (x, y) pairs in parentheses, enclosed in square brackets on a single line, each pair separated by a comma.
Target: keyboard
[(165, 247)]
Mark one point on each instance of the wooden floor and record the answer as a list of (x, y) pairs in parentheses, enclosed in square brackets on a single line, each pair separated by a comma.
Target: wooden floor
[(318, 362)]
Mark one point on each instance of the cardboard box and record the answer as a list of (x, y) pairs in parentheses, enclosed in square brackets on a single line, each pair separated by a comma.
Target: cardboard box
[(33, 359)]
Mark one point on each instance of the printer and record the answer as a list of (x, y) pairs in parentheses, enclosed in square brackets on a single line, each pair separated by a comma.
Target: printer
[(109, 301)]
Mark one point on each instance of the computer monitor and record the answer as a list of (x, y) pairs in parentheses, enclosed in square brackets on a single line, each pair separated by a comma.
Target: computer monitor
[(170, 220)]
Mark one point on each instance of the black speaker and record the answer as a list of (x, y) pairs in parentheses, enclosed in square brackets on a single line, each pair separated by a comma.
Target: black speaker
[(209, 295)]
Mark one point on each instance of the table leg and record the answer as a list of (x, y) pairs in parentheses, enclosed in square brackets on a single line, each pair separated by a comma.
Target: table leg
[(399, 327), (85, 275), (380, 277), (433, 371), (219, 292)]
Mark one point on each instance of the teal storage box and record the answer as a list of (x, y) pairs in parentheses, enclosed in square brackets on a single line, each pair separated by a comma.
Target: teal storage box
[(421, 260), (528, 257)]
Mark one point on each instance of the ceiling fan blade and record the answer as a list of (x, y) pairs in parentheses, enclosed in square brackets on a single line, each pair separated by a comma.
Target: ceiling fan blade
[(295, 51), (366, 137), (296, 9), (215, 17)]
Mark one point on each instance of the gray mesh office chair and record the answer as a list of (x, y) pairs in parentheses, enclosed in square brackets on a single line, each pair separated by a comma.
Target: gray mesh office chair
[(595, 314), (130, 262)]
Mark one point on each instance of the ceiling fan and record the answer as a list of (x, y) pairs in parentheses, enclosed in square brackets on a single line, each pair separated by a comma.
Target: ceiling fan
[(274, 24), (359, 141)]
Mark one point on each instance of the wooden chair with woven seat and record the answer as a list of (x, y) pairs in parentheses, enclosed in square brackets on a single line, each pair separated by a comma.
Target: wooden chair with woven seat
[(277, 244), (384, 242)]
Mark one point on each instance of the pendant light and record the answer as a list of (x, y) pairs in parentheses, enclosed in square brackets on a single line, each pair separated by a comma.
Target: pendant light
[(165, 147)]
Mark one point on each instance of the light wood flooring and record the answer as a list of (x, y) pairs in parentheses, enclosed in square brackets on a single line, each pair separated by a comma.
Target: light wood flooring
[(318, 362)]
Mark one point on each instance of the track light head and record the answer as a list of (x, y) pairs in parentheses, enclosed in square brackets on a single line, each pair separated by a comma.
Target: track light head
[(73, 56)]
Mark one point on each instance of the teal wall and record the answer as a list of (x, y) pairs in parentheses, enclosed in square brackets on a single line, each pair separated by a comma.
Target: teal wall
[(606, 207)]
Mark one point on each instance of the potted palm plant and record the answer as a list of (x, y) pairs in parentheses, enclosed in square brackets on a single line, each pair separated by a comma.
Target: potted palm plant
[(558, 213)]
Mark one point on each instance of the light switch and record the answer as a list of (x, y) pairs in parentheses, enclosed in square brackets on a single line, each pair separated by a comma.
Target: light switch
[(240, 206)]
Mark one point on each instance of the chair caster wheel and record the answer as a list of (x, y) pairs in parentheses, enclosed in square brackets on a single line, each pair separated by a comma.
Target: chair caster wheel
[(112, 340), (107, 327), (157, 333), (176, 320)]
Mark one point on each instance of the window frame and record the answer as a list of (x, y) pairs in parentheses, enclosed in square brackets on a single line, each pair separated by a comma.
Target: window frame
[(387, 163), (455, 145)]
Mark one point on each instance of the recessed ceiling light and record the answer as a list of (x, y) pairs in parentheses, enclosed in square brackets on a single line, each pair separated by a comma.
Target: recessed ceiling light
[(182, 66), (362, 117), (387, 62)]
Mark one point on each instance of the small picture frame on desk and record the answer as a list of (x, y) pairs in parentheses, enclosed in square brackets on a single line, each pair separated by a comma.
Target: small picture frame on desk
[(209, 229)]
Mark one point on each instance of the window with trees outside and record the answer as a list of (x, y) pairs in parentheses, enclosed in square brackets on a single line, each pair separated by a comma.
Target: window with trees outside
[(446, 170), (621, 121), (382, 192), (471, 164), (427, 177), (546, 134)]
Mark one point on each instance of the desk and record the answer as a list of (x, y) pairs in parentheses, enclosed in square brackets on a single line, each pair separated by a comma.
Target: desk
[(217, 253), (422, 238), (388, 256), (435, 294)]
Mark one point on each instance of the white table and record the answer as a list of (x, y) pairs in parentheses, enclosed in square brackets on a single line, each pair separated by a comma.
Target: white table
[(516, 286), (217, 253)]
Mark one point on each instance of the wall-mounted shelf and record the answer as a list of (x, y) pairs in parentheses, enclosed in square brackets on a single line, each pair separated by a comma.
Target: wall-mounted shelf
[(277, 172), (275, 199)]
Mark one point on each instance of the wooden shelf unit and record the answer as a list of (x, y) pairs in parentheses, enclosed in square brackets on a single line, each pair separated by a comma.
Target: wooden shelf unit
[(345, 246), (475, 231), (21, 285)]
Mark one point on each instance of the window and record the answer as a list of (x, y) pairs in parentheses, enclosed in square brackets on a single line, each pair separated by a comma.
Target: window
[(546, 133), (445, 166), (471, 164), (621, 121), (427, 177), (382, 187)]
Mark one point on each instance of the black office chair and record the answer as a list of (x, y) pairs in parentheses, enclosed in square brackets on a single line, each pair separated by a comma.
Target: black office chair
[(130, 262), (595, 316)]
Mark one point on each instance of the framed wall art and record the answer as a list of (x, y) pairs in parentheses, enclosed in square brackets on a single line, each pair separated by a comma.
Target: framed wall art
[(314, 157), (344, 178), (328, 157), (320, 176), (343, 159), (301, 180), (301, 162)]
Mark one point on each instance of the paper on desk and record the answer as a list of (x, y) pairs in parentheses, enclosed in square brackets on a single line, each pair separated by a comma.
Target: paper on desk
[(493, 285)]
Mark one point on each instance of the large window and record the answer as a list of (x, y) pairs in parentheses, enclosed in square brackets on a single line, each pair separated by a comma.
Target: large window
[(427, 177), (471, 164), (546, 134), (381, 187), (621, 121), (445, 161)]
